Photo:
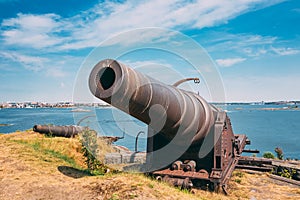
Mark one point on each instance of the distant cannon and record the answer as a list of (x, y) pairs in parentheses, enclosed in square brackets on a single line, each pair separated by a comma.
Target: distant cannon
[(182, 126), (61, 131), (71, 131)]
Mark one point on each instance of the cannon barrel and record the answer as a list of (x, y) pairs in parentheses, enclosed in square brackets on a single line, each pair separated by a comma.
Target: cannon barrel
[(190, 142), (62, 131), (166, 109)]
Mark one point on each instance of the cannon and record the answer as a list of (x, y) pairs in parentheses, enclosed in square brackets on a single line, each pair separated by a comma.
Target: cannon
[(190, 142), (61, 131)]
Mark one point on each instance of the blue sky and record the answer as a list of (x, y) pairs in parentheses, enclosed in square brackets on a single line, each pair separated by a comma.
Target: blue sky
[(254, 44)]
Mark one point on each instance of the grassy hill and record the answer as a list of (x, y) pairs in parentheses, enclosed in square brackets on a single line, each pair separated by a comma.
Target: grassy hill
[(33, 166)]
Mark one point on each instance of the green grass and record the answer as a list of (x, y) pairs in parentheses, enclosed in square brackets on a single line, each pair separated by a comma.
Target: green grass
[(237, 180), (61, 156), (238, 173), (47, 155), (37, 147), (114, 197)]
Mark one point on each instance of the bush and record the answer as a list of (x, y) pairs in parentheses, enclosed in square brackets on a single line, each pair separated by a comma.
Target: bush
[(287, 173), (268, 155), (89, 149)]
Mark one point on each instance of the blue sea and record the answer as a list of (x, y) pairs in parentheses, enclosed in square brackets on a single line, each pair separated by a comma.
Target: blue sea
[(267, 129)]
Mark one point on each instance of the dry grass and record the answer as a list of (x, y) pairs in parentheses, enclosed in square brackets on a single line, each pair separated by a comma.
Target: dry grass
[(61, 148), (136, 186), (103, 149), (33, 166), (260, 186)]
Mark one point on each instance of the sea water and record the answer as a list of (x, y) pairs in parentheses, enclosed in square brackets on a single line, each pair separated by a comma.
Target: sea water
[(267, 129)]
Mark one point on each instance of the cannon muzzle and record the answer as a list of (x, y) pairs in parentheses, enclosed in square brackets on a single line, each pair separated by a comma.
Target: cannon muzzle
[(166, 109)]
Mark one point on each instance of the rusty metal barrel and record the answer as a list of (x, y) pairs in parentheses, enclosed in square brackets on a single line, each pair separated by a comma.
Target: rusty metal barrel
[(61, 131), (168, 110)]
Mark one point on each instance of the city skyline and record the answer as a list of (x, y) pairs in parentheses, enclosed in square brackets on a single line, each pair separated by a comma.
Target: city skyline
[(254, 44)]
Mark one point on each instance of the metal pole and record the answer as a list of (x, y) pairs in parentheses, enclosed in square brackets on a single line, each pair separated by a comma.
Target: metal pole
[(136, 139), (196, 80)]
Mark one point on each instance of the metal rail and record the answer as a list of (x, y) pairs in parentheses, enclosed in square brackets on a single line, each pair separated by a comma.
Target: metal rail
[(196, 80), (136, 140), (272, 166)]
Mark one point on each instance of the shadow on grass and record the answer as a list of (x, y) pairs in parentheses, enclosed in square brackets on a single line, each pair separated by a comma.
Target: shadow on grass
[(73, 172)]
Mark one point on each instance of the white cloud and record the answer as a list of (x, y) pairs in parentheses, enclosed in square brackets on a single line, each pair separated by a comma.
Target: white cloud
[(255, 51), (52, 66), (178, 14), (247, 44), (55, 72), (141, 36), (105, 19), (62, 85), (285, 51), (229, 61), (296, 10), (35, 31), (31, 63), (250, 45)]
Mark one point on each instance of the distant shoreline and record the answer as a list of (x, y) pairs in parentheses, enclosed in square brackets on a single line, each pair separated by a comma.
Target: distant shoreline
[(81, 105)]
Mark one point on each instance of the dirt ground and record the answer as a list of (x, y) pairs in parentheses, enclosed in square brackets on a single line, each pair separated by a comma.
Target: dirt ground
[(35, 167)]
